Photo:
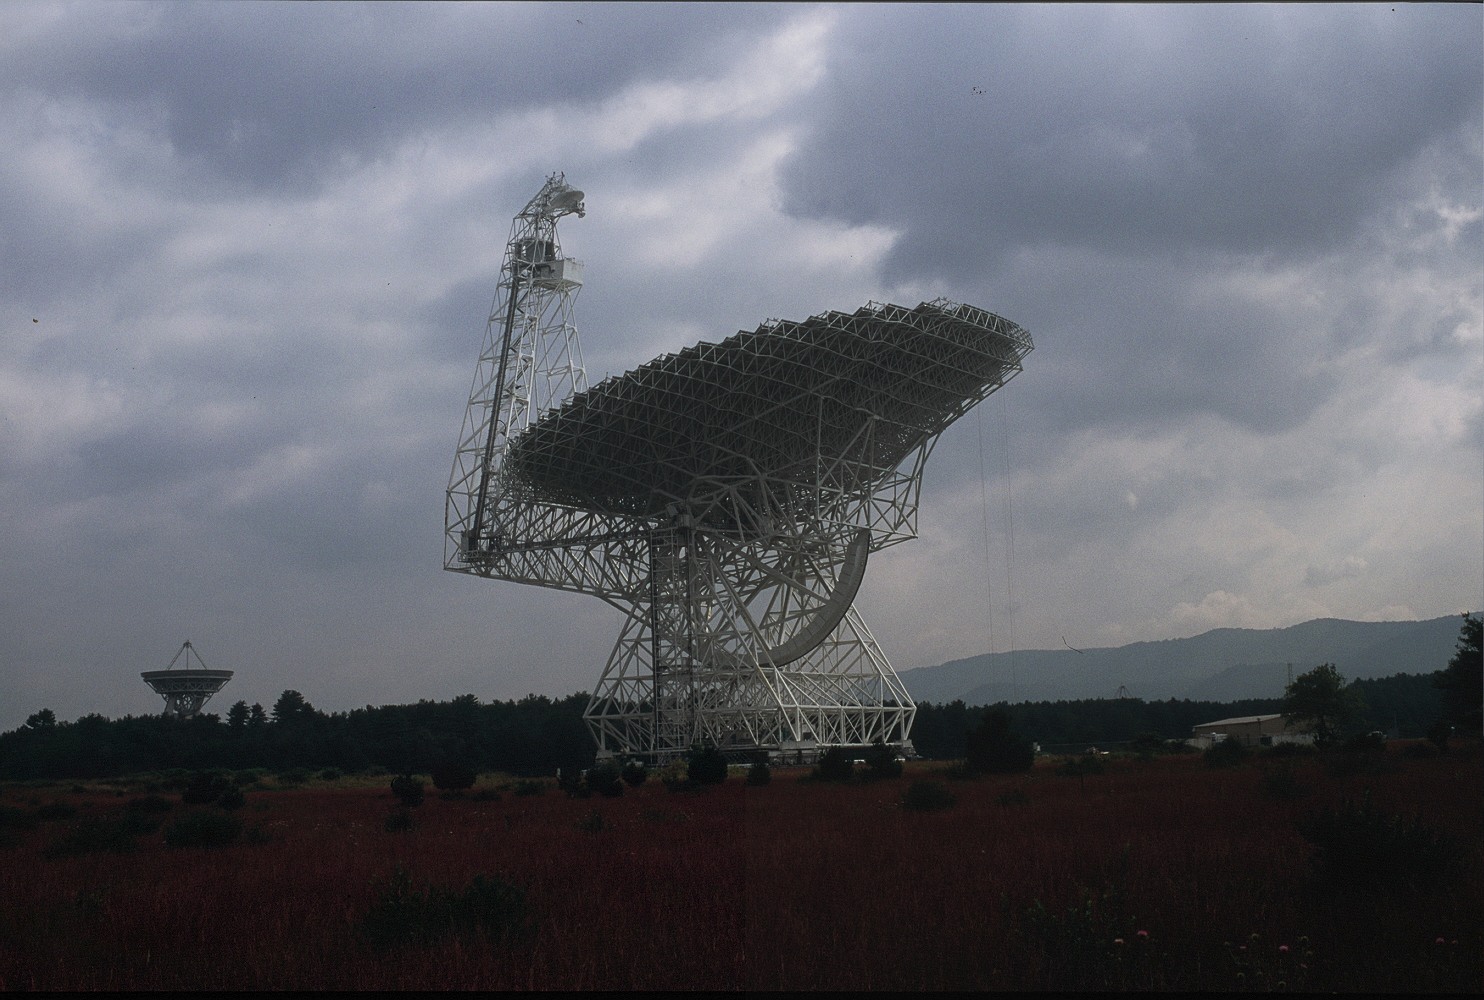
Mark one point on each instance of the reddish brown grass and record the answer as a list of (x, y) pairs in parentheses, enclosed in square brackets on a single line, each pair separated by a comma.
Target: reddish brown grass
[(795, 885)]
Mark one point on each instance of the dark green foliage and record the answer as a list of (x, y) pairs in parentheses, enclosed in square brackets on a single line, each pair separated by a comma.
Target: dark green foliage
[(454, 774), (1094, 944), (1320, 702), (1462, 682), (16, 819), (55, 811), (232, 798), (759, 774), (1372, 742), (706, 765), (606, 779), (331, 774), (529, 786), (835, 764), (408, 789), (1080, 768), (402, 916), (399, 821), (1358, 846), (635, 773), (882, 762), (571, 782), (995, 748), (203, 829), (205, 787), (97, 835), (927, 796), (1226, 753), (1279, 782)]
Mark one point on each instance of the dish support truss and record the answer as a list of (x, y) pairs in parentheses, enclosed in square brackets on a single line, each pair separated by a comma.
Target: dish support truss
[(736, 590), (186, 691)]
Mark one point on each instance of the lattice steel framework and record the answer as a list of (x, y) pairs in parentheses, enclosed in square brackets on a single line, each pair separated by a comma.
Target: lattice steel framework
[(188, 689), (725, 498)]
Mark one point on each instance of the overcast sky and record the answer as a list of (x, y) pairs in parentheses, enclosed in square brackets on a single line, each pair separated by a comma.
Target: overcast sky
[(246, 251)]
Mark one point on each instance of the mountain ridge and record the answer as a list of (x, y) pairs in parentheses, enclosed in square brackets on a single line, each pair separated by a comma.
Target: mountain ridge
[(1222, 664)]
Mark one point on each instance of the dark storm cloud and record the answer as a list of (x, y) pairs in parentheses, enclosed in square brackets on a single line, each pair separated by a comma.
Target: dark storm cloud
[(1244, 130), (277, 96), (1102, 164)]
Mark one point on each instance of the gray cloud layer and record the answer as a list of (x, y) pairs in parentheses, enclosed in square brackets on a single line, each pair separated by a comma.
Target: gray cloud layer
[(246, 250)]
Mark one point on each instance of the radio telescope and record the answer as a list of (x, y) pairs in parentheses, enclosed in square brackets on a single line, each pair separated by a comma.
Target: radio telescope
[(724, 498), (186, 690)]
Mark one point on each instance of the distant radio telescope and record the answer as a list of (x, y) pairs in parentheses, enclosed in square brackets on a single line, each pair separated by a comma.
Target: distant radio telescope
[(187, 689), (725, 498)]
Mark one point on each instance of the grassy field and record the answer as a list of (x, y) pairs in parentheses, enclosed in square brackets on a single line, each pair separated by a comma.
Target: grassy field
[(1158, 873)]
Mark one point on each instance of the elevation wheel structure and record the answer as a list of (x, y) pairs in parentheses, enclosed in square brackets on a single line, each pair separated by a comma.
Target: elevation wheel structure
[(726, 498)]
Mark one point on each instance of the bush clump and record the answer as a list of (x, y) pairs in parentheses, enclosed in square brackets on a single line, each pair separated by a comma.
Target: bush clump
[(453, 775), (408, 789), (96, 835), (402, 915), (635, 773), (706, 765), (835, 764), (996, 748), (882, 762), (203, 829), (1358, 845), (759, 774), (1225, 753), (927, 796), (606, 779)]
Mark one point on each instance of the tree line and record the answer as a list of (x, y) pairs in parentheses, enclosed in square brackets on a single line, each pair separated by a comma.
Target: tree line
[(539, 735)]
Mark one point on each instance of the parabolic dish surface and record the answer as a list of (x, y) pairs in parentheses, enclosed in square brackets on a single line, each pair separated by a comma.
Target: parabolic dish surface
[(853, 393)]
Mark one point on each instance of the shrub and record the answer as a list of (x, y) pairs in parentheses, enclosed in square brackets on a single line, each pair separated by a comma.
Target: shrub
[(205, 787), (399, 821), (570, 781), (1014, 797), (706, 765), (401, 915), (150, 804), (635, 773), (835, 764), (1225, 753), (93, 835), (203, 829), (759, 774), (331, 774), (1280, 783), (232, 798), (293, 776), (529, 786), (453, 775), (408, 789), (995, 748), (1359, 846), (882, 762), (927, 796), (605, 779)]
